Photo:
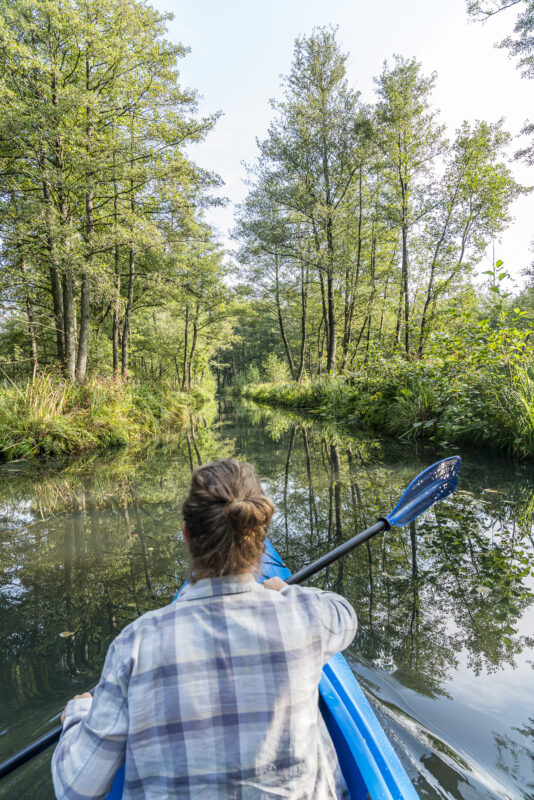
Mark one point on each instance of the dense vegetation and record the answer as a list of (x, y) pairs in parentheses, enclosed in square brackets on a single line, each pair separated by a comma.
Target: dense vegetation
[(104, 247), (361, 235), (107, 265), (353, 290)]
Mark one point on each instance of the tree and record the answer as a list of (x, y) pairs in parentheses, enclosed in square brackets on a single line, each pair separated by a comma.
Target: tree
[(410, 141), (92, 136), (307, 164), (520, 46), (475, 193)]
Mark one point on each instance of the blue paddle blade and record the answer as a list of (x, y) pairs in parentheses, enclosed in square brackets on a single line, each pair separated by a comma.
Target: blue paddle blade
[(432, 485)]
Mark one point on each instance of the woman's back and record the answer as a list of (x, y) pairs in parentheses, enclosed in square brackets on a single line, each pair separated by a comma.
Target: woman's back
[(222, 693)]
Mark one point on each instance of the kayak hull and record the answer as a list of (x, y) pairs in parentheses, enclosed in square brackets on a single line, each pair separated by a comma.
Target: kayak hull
[(370, 766)]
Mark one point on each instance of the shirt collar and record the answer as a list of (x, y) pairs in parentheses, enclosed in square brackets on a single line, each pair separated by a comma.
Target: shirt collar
[(215, 587)]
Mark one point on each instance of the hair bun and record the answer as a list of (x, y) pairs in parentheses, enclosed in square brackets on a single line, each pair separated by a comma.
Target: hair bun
[(248, 513), (227, 514)]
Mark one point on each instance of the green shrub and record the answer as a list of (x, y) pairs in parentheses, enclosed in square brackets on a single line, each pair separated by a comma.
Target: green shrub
[(275, 370), (480, 398)]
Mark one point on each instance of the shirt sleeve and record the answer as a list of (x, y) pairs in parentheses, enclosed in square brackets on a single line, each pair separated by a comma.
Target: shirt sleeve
[(336, 617), (93, 742)]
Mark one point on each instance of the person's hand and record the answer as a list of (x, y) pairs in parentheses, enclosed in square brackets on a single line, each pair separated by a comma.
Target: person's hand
[(76, 697), (274, 583)]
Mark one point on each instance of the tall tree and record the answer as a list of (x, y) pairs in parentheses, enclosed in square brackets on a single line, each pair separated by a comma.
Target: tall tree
[(93, 126), (520, 45), (307, 163), (474, 194), (410, 140)]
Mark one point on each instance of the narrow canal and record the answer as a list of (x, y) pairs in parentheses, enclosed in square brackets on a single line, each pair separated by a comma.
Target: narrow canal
[(445, 646)]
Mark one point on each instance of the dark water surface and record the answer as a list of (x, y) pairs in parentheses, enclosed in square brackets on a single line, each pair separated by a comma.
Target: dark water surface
[(445, 647)]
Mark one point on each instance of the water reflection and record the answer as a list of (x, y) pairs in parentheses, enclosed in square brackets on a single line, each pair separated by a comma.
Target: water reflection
[(445, 605)]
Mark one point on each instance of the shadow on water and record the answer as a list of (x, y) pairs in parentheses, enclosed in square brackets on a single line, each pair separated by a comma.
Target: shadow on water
[(444, 649)]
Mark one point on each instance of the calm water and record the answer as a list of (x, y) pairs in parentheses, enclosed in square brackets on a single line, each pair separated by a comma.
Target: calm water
[(445, 647)]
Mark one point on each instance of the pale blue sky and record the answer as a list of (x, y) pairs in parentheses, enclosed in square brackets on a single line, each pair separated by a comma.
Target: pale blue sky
[(239, 49)]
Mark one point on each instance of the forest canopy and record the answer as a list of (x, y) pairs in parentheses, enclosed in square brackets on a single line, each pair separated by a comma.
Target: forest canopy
[(103, 238)]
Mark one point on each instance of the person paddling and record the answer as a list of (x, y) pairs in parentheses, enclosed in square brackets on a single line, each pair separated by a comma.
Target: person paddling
[(216, 694)]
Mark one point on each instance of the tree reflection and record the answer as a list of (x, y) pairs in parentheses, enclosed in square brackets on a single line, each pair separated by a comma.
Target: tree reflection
[(84, 551), (87, 549), (452, 581)]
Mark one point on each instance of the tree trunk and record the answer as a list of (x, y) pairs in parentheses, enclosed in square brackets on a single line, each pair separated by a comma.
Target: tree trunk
[(85, 318), (398, 325), (325, 314), (281, 321), (186, 348), (117, 301), (192, 351), (405, 285), (331, 301), (55, 276), (30, 317), (116, 314), (384, 299), (69, 321), (128, 312), (303, 327), (349, 307), (85, 296)]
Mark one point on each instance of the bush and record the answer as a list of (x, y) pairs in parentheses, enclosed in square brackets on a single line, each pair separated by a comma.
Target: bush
[(275, 370), (477, 397)]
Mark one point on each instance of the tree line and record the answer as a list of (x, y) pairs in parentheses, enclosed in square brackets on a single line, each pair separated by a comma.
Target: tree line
[(101, 209), (359, 236), (364, 221)]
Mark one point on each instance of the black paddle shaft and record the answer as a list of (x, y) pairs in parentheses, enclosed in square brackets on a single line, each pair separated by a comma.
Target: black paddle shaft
[(33, 749), (306, 572), (29, 752)]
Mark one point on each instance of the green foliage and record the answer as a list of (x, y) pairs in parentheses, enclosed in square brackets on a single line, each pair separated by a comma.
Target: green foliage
[(477, 389), (275, 370), (49, 416), (364, 223), (104, 251)]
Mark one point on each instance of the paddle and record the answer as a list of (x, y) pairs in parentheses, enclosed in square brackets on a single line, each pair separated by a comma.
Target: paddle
[(431, 486)]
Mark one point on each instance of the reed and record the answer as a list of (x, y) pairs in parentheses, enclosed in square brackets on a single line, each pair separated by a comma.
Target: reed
[(48, 416)]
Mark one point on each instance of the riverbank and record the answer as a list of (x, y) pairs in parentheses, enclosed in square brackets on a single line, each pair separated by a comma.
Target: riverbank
[(49, 416), (421, 401)]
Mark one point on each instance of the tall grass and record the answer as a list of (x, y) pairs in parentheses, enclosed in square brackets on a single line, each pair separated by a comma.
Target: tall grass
[(50, 416), (423, 400)]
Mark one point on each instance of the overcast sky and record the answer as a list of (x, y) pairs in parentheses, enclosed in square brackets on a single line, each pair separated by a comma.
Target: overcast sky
[(239, 49)]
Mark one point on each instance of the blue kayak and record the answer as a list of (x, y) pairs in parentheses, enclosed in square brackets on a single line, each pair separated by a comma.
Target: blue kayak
[(369, 764)]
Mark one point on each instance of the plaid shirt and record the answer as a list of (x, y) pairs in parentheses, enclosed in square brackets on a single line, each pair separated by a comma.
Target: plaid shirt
[(213, 696)]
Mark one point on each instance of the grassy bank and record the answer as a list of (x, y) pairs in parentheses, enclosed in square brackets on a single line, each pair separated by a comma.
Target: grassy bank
[(49, 416), (439, 401)]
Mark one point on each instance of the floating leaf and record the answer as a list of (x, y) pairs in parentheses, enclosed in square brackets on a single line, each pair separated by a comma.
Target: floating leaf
[(67, 634)]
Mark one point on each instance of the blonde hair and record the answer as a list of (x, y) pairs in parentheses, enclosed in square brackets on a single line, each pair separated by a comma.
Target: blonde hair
[(227, 515)]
